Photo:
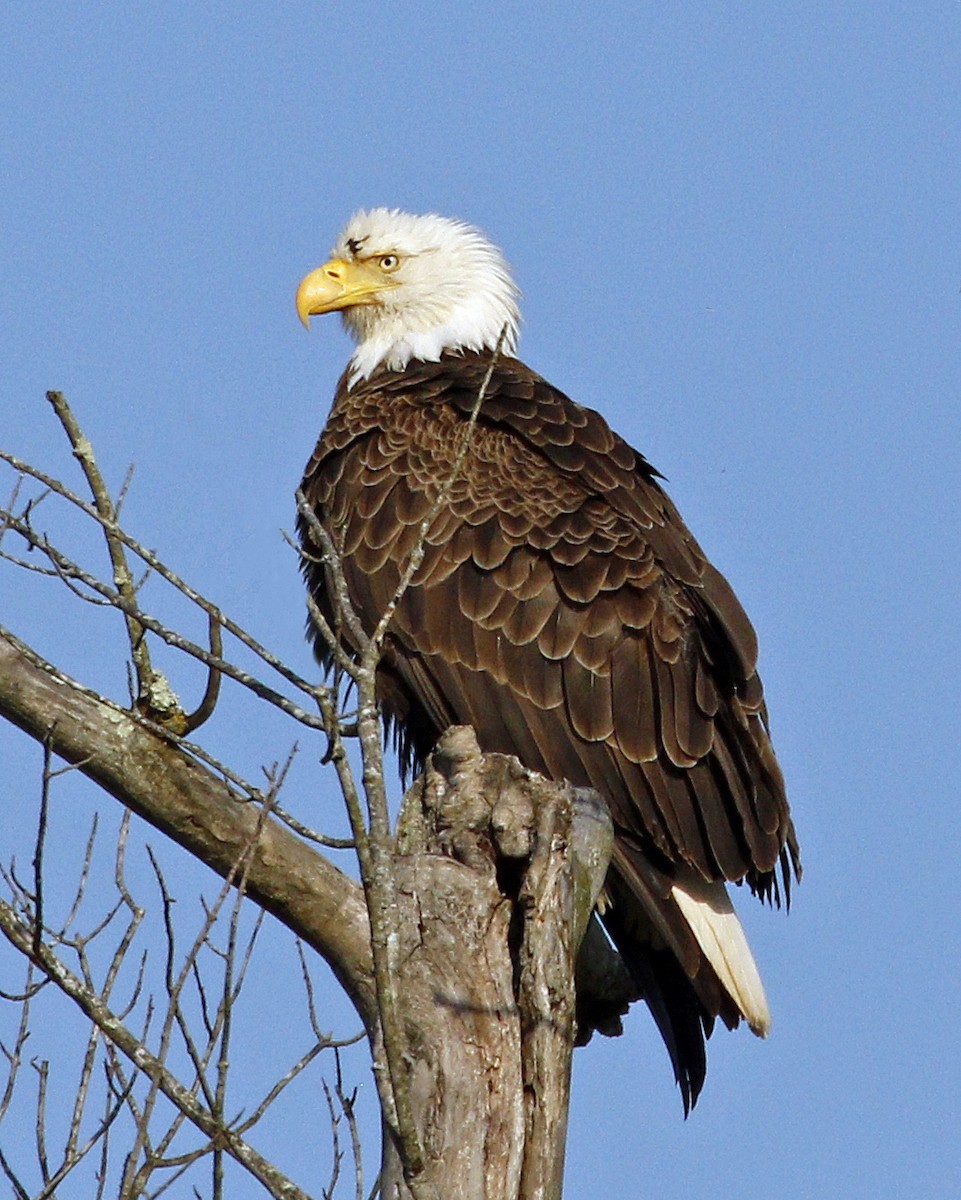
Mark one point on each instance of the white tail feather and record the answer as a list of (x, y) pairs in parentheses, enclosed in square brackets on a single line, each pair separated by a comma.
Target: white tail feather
[(708, 911)]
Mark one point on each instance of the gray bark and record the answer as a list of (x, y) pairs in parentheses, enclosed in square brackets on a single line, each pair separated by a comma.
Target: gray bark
[(498, 872)]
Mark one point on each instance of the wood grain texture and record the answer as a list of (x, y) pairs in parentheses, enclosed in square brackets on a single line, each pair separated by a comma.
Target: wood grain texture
[(497, 874)]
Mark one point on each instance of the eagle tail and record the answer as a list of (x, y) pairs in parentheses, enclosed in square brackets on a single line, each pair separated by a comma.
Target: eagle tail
[(707, 909)]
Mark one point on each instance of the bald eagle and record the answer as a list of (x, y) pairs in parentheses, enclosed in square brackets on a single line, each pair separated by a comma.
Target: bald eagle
[(562, 608)]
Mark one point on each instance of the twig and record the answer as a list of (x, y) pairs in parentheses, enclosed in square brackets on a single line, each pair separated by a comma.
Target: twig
[(337, 1154), (42, 1067), (209, 702), (347, 1107), (15, 1057), (337, 585), (70, 569), (132, 1048), (11, 504), (156, 564), (19, 1191), (83, 452), (85, 864), (38, 846)]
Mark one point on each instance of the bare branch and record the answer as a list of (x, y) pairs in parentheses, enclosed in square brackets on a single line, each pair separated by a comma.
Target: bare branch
[(71, 570), (209, 702), (188, 803), (155, 564), (347, 1107), (87, 856), (42, 1067), (280, 1086), (123, 580), (20, 936), (338, 1154), (14, 1057), (20, 1192), (38, 851), (337, 584)]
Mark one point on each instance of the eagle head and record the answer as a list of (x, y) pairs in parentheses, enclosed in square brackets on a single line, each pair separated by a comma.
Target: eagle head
[(412, 287)]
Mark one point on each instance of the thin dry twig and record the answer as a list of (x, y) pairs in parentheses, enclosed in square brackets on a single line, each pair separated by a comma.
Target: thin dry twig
[(337, 1154), (129, 1044), (39, 844), (209, 702), (68, 569), (273, 661), (14, 1057), (347, 1105), (123, 580)]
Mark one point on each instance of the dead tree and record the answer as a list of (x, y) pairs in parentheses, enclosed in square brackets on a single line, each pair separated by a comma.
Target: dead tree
[(457, 948)]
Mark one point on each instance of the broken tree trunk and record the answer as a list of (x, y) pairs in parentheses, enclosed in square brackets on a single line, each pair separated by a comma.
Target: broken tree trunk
[(498, 870)]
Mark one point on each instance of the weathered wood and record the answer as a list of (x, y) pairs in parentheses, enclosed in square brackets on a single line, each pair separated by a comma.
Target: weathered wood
[(497, 882), (574, 838)]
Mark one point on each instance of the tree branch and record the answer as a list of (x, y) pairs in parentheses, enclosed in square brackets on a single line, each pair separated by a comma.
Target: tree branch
[(123, 580), (134, 1049), (153, 776)]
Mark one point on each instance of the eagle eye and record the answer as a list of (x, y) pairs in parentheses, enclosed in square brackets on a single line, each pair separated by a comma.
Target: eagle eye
[(388, 262)]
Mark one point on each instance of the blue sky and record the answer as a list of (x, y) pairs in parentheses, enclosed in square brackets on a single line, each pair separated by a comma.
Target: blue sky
[(738, 233)]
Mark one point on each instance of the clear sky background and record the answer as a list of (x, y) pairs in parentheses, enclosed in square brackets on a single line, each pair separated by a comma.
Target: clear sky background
[(737, 228)]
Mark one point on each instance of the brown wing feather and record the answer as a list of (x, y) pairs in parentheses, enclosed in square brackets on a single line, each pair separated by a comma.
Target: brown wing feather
[(564, 610)]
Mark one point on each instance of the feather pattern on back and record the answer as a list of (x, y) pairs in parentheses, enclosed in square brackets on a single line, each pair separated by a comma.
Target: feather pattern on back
[(564, 610)]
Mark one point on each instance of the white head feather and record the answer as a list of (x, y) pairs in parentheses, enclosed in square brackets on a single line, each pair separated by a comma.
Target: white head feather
[(452, 291)]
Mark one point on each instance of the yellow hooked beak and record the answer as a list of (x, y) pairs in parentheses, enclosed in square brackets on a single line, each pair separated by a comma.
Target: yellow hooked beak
[(339, 284)]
